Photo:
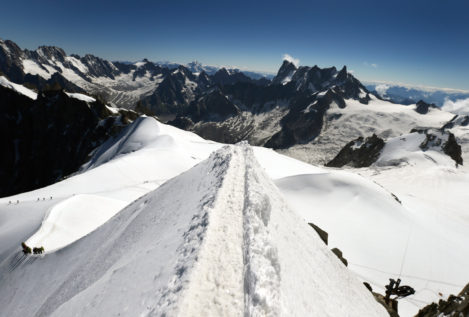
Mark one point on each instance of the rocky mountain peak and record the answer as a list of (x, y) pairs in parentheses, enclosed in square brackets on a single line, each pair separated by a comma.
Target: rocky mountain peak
[(422, 107), (342, 75), (286, 70), (51, 53)]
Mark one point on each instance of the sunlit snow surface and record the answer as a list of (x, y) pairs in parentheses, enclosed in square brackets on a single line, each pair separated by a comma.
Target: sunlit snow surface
[(81, 97), (18, 88), (424, 239), (217, 240)]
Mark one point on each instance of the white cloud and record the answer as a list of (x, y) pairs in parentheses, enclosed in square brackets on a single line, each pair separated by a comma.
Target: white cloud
[(381, 89), (419, 87), (291, 59), (460, 106), (374, 65)]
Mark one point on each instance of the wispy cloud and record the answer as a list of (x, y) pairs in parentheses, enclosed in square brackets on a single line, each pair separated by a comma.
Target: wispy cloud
[(374, 65), (291, 59), (460, 106)]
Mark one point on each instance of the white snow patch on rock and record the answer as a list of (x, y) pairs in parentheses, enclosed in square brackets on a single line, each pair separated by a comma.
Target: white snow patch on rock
[(18, 88), (81, 97), (31, 67)]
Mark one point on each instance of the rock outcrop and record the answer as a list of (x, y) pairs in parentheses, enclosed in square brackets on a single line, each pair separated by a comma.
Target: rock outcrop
[(453, 306), (359, 153)]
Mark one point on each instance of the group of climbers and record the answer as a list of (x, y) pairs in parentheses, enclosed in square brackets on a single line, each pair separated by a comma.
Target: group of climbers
[(27, 250)]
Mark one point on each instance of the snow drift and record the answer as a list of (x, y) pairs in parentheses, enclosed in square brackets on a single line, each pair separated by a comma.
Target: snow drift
[(216, 240)]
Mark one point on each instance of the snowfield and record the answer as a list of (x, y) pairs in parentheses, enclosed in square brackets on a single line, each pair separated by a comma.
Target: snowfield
[(381, 117), (217, 240), (161, 221)]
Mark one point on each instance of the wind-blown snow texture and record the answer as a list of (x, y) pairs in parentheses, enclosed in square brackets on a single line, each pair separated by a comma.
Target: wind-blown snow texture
[(199, 245)]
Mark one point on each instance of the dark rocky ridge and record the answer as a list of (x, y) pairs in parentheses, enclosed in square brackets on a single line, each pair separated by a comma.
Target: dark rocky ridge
[(454, 306), (46, 139), (423, 107), (359, 153)]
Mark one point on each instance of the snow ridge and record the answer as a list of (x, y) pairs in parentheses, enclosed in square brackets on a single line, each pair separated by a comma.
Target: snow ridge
[(215, 167), (262, 269), (216, 287)]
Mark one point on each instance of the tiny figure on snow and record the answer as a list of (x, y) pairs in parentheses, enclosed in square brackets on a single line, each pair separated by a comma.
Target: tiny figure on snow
[(17, 202), (26, 249), (50, 197), (38, 250)]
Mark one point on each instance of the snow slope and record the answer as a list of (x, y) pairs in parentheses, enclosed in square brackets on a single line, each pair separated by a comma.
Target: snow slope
[(18, 88), (423, 240), (144, 156), (200, 245), (405, 149), (379, 236)]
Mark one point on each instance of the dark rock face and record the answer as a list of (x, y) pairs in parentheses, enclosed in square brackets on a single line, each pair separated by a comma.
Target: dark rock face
[(454, 306), (359, 153), (287, 69), (457, 120), (303, 124), (453, 149), (173, 95), (423, 107), (339, 254), (322, 234), (212, 107), (223, 77), (49, 138)]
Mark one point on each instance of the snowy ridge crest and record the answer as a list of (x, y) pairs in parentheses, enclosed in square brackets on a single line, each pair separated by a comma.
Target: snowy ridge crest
[(261, 264), (215, 167)]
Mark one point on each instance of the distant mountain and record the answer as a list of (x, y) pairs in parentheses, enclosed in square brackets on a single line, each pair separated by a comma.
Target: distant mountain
[(161, 88), (410, 95), (307, 112)]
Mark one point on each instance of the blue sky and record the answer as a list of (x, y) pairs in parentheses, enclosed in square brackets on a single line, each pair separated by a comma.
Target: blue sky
[(414, 42)]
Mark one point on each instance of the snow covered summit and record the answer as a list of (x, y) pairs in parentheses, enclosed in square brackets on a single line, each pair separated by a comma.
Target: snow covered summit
[(217, 240)]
